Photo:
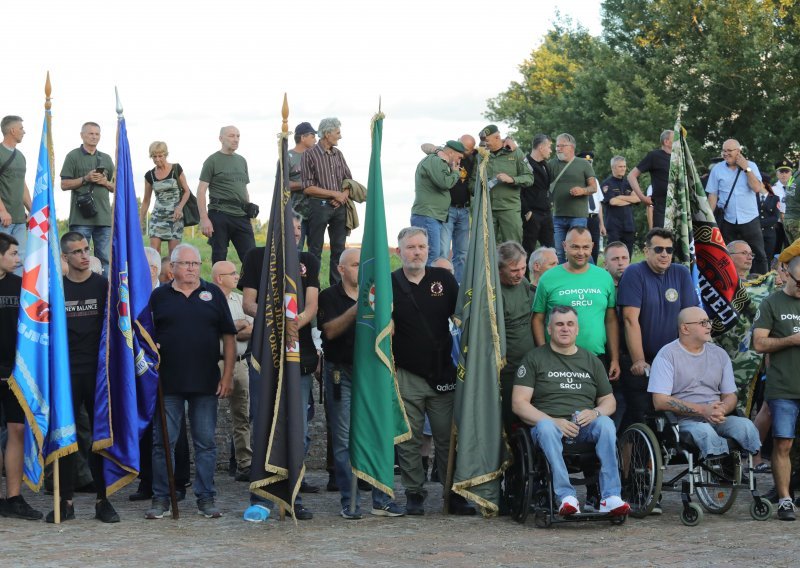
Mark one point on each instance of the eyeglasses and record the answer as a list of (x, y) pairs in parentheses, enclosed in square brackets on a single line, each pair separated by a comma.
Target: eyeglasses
[(78, 252), (704, 323), (188, 263), (660, 249), (730, 150), (234, 273), (745, 252), (789, 274), (563, 145)]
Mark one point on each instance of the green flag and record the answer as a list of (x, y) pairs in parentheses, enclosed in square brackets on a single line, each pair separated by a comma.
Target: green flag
[(377, 418), (482, 454)]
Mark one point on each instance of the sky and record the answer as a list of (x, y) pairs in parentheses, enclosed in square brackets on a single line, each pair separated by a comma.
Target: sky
[(184, 69)]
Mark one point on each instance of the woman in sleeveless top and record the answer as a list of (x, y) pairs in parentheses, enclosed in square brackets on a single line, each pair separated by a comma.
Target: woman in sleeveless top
[(169, 185)]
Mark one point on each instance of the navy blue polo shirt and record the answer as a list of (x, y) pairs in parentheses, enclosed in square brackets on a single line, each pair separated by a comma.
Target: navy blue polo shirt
[(617, 216), (188, 330)]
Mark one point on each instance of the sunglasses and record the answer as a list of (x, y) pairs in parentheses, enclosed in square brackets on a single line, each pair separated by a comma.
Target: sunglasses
[(661, 250)]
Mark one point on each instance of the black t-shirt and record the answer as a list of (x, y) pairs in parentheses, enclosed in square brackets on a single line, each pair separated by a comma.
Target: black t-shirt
[(85, 304), (656, 163), (333, 302), (188, 331), (537, 196), (436, 294), (309, 278), (10, 287), (460, 193)]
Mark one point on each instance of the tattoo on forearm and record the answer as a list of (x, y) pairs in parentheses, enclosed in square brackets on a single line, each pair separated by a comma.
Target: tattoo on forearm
[(680, 407)]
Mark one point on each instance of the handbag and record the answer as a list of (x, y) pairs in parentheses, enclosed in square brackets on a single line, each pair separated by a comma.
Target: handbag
[(191, 212), (86, 205), (719, 212)]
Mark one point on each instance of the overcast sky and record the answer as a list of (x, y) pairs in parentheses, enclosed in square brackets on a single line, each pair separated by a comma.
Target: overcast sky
[(184, 69)]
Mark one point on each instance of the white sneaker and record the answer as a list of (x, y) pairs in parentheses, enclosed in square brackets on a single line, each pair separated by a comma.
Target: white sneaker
[(615, 506), (569, 506)]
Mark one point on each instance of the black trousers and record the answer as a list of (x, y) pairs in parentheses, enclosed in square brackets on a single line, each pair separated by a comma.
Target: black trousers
[(227, 229), (770, 243), (539, 228), (615, 233), (593, 224), (659, 211), (750, 233), (321, 217)]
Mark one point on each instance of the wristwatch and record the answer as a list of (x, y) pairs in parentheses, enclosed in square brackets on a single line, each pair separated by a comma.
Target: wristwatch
[(748, 169), (596, 412)]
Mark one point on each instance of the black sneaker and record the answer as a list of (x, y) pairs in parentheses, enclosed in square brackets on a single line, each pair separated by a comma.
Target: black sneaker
[(302, 514), (67, 513), (786, 510), (243, 475), (140, 495), (104, 511), (17, 508), (460, 506), (332, 485), (415, 504)]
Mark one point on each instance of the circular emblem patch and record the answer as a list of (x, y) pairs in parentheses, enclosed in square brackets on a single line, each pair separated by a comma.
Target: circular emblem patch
[(671, 295), (303, 270), (206, 296), (521, 371), (372, 297), (437, 289)]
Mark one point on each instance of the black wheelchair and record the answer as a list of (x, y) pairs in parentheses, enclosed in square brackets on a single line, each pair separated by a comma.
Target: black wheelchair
[(646, 450), (528, 487)]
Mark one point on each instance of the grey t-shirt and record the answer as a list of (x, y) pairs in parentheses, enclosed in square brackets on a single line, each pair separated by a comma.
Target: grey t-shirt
[(693, 377)]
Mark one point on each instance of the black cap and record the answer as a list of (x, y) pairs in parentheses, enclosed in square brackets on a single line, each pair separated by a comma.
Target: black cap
[(586, 155), (304, 128), (784, 164)]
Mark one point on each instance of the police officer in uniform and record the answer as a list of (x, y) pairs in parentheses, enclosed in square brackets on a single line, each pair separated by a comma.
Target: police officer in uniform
[(618, 198)]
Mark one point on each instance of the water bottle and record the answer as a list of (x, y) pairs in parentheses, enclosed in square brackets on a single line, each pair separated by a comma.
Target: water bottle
[(575, 421)]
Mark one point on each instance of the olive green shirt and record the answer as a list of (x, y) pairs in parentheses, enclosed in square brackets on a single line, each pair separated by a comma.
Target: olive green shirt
[(78, 164), (578, 173), (12, 184), (780, 314), (517, 302), (227, 179), (505, 196), (432, 183)]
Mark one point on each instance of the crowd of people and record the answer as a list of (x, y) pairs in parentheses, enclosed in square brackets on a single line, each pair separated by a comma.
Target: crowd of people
[(589, 349)]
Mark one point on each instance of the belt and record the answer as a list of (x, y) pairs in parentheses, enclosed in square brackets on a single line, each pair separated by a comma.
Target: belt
[(463, 206), (592, 215), (241, 357)]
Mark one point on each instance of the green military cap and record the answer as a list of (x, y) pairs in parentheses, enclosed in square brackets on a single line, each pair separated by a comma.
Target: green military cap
[(489, 130), (456, 145)]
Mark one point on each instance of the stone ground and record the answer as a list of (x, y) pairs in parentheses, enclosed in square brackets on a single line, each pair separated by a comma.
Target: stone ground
[(733, 539)]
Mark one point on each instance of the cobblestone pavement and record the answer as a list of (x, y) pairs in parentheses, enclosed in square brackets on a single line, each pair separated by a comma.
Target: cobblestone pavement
[(733, 539)]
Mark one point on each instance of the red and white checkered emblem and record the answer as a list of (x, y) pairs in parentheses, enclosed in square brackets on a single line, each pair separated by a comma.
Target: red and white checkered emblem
[(39, 223)]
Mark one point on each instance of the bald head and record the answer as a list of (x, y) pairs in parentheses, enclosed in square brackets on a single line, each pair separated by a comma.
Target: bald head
[(349, 255), (442, 262), (222, 267), (224, 275), (349, 262), (691, 314), (229, 137), (468, 142)]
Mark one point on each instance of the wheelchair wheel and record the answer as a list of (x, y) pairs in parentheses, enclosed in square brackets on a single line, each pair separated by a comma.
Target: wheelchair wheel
[(692, 515), (716, 499), (761, 510), (519, 477), (640, 469), (542, 519)]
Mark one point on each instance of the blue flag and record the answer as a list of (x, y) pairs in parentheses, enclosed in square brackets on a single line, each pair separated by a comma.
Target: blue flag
[(41, 380), (127, 376)]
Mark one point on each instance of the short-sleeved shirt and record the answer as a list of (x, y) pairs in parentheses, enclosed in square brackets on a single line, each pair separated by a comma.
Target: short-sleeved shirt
[(656, 163), (227, 178), (12, 184), (743, 205), (237, 313), (309, 278), (10, 287), (780, 314), (562, 383), (699, 378), (577, 175), (436, 294), (432, 182), (188, 330), (660, 298), (78, 164), (333, 302), (616, 216), (299, 200), (590, 293), (517, 315), (85, 304)]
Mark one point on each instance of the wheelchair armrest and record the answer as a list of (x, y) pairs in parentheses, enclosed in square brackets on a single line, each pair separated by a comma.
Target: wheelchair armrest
[(669, 418)]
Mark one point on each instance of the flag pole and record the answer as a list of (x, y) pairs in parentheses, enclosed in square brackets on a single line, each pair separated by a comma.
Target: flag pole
[(48, 119), (451, 459), (285, 132)]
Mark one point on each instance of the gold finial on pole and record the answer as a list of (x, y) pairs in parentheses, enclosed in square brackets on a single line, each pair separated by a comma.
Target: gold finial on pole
[(47, 90), (285, 115)]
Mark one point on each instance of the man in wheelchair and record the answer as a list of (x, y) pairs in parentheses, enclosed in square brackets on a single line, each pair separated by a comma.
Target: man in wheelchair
[(573, 403), (694, 379)]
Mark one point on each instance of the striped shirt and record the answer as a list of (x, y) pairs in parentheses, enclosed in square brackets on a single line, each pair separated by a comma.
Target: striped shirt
[(325, 169)]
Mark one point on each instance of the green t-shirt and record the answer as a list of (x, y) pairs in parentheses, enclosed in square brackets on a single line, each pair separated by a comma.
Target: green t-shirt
[(432, 182), (227, 179), (780, 314), (12, 184), (562, 384), (504, 196), (590, 293), (564, 205), (77, 164), (517, 315)]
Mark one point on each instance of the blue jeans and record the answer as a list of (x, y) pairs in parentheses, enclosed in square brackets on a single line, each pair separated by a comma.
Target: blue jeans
[(784, 417), (561, 225), (434, 229), (708, 437), (18, 231), (339, 417), (203, 426), (456, 228), (601, 431), (102, 242)]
